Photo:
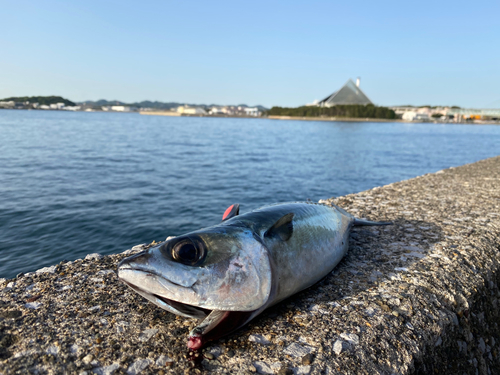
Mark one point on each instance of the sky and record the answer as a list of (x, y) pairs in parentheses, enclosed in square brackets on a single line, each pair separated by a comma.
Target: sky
[(273, 53)]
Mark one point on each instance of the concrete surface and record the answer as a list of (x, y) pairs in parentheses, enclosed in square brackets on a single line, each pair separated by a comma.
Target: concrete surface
[(420, 296)]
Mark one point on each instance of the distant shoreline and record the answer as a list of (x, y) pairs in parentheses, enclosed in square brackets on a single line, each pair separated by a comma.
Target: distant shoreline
[(331, 119), (295, 118), (356, 119), (335, 119), (350, 119), (178, 114)]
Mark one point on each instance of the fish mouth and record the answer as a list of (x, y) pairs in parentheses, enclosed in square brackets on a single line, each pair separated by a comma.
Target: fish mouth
[(213, 324), (183, 308)]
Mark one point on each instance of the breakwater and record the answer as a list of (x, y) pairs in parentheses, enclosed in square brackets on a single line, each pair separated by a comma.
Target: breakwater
[(420, 296)]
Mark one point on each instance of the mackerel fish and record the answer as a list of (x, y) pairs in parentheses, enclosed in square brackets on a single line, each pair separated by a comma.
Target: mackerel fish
[(227, 274)]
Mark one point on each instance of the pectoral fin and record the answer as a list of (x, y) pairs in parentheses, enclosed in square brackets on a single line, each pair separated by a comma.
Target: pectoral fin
[(283, 228)]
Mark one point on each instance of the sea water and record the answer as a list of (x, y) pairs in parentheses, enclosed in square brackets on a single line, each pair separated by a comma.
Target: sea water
[(79, 183)]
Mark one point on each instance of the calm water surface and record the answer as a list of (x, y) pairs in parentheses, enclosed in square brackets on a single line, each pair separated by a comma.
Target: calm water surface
[(78, 183)]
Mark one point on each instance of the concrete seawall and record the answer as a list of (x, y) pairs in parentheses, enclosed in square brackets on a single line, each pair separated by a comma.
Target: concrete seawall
[(420, 296)]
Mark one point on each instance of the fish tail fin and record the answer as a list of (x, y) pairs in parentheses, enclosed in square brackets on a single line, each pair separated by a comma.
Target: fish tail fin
[(361, 222)]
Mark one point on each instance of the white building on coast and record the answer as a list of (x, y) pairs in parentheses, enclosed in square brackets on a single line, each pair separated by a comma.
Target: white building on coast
[(120, 108), (446, 114), (57, 106), (254, 111), (216, 111), (186, 110), (9, 104), (415, 116)]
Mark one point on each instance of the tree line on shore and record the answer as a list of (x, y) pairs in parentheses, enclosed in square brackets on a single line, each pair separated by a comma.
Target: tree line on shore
[(353, 111), (42, 100)]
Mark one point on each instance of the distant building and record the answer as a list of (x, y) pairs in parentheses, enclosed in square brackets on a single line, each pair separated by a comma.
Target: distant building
[(415, 116), (191, 110), (229, 110), (421, 114), (467, 114), (446, 114), (252, 111), (120, 108), (350, 93), (216, 111), (9, 104), (57, 106)]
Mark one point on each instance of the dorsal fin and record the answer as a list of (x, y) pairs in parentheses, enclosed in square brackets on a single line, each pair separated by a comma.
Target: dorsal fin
[(283, 228), (232, 211)]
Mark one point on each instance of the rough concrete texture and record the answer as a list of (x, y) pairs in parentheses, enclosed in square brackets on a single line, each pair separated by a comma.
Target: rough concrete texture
[(420, 296)]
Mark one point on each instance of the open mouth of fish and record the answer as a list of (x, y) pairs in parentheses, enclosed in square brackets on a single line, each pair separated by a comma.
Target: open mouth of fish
[(184, 308), (212, 324)]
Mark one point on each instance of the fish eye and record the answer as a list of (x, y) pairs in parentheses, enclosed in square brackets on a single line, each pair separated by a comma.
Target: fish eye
[(190, 252)]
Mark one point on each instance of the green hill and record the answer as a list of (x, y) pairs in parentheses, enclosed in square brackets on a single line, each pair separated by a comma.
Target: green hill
[(42, 100)]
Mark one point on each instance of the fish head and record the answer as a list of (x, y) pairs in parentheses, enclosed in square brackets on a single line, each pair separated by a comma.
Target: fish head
[(218, 268)]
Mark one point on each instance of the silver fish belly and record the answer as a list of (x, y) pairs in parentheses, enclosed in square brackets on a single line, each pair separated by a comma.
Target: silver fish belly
[(229, 273)]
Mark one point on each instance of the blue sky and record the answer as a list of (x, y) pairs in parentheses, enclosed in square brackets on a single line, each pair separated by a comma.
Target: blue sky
[(260, 52)]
